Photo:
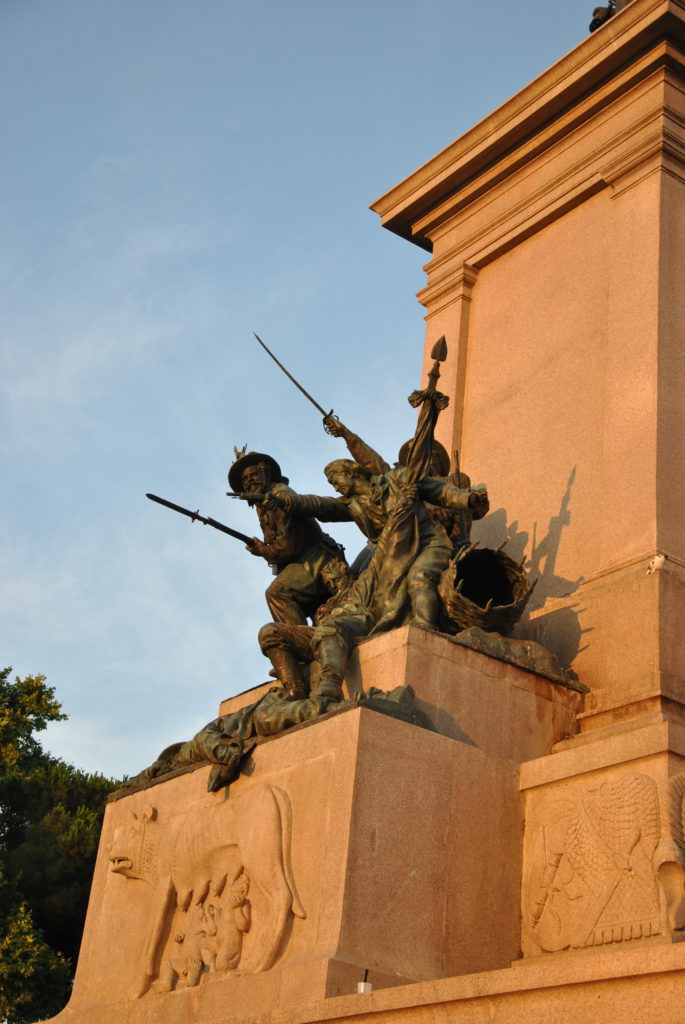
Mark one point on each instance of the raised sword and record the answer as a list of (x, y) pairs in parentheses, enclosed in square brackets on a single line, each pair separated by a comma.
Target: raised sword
[(295, 382)]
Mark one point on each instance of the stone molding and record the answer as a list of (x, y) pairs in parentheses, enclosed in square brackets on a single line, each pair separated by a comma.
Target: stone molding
[(481, 222), (575, 87), (454, 285)]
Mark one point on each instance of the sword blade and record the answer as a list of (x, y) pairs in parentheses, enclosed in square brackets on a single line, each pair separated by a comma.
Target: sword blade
[(290, 377)]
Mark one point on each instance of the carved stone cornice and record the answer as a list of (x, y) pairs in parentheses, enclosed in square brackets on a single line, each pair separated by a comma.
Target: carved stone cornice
[(451, 284), (652, 140), (645, 41)]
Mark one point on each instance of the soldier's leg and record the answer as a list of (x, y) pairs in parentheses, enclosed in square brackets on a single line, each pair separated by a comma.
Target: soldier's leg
[(283, 603), (332, 643), (299, 589), (331, 653), (423, 579), (284, 646)]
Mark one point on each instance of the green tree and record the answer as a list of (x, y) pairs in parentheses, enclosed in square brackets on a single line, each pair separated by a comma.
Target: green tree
[(35, 981), (50, 818)]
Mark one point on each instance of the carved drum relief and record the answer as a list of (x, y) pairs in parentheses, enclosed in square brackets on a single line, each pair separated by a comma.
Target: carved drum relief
[(218, 874), (592, 859)]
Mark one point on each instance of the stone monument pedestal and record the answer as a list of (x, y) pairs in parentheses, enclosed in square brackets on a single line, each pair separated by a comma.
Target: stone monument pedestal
[(372, 848), (556, 233), (524, 862)]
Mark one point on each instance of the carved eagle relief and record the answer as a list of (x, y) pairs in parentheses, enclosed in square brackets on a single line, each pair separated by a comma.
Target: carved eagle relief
[(591, 876)]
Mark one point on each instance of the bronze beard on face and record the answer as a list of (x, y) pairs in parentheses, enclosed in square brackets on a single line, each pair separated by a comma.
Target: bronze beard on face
[(262, 466)]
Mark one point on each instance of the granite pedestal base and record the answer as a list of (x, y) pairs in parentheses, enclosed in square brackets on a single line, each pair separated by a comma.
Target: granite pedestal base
[(366, 846)]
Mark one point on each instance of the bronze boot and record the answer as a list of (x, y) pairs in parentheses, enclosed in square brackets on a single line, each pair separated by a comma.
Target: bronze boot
[(331, 655), (288, 673)]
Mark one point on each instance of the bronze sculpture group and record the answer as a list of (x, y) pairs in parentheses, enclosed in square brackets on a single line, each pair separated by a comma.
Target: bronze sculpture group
[(416, 519)]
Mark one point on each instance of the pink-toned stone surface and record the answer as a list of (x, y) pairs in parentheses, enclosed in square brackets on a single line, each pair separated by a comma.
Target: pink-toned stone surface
[(603, 864), (596, 987), (403, 840), (557, 235), (604, 847), (557, 232), (241, 700), (390, 878), (501, 709)]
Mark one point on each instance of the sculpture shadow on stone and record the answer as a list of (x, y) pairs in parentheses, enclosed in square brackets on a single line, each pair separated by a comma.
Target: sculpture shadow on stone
[(544, 554)]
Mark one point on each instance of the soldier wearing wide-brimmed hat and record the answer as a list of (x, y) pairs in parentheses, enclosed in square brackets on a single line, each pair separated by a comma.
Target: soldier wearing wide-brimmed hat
[(294, 544), (417, 548), (246, 459)]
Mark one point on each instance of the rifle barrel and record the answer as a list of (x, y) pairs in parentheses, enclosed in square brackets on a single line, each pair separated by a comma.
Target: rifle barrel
[(201, 519), (254, 496)]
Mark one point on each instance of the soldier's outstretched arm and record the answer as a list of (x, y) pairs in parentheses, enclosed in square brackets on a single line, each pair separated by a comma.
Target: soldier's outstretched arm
[(440, 492), (323, 507), (360, 451)]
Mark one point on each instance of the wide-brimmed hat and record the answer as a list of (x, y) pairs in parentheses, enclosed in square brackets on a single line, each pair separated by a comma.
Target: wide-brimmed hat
[(235, 473), (438, 454)]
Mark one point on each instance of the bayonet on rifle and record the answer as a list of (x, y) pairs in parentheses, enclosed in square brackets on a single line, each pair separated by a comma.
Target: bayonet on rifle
[(201, 519)]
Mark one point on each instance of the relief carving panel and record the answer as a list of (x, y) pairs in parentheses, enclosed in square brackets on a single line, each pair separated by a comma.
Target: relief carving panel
[(218, 873), (672, 869), (590, 876)]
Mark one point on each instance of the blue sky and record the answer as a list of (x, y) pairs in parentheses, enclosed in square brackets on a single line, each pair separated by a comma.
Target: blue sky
[(175, 176)]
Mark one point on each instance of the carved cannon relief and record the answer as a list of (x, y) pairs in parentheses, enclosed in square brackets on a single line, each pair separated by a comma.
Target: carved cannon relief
[(218, 873), (592, 864)]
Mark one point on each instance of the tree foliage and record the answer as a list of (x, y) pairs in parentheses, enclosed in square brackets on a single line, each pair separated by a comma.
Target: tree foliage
[(50, 817), (34, 979)]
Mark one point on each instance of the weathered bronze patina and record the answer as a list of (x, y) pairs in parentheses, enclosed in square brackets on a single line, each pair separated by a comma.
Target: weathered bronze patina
[(291, 649), (401, 581), (600, 15), (195, 517), (485, 588), (294, 543), (419, 567), (412, 549), (228, 740)]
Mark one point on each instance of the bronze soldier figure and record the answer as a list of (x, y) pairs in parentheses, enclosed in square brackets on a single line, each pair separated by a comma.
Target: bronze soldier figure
[(293, 544), (457, 522), (420, 548), (287, 646)]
